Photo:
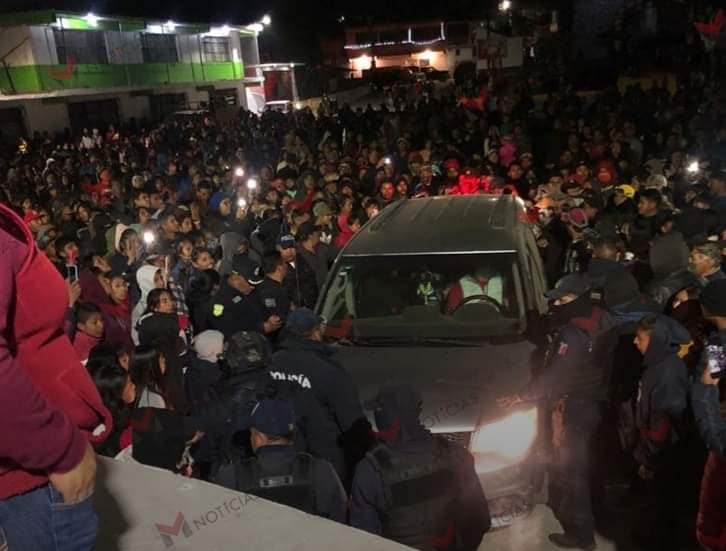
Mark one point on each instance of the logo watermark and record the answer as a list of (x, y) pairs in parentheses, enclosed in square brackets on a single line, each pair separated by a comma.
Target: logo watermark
[(186, 528)]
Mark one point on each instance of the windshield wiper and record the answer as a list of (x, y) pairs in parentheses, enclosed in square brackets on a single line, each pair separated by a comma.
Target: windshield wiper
[(406, 341)]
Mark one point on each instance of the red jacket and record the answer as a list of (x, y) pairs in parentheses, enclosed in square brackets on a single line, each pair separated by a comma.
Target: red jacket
[(345, 234), (83, 343), (469, 185), (46, 395), (711, 523)]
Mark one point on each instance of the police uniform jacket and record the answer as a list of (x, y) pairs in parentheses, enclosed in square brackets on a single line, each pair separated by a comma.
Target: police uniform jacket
[(231, 312), (311, 366), (412, 501), (577, 360), (327, 497), (274, 298)]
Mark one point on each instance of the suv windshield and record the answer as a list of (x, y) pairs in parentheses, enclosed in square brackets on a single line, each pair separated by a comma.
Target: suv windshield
[(430, 296)]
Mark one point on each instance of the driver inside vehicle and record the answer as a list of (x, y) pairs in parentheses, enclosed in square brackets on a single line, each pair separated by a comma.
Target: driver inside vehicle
[(484, 282)]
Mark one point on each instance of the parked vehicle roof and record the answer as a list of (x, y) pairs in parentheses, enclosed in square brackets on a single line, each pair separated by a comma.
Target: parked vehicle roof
[(441, 225)]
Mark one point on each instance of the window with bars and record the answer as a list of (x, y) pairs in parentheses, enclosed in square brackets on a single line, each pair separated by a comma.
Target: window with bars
[(80, 46), (159, 48), (216, 48)]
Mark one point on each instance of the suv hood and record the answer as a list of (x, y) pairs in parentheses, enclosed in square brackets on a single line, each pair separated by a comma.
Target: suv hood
[(459, 385)]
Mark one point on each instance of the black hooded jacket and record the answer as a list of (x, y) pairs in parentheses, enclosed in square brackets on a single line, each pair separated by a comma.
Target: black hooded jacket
[(663, 394), (668, 259), (599, 271), (199, 377), (627, 361)]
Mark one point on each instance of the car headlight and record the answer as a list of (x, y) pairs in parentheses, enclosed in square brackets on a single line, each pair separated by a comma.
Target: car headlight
[(504, 442)]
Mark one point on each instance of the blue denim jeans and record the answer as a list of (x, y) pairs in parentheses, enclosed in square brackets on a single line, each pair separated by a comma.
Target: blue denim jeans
[(39, 521)]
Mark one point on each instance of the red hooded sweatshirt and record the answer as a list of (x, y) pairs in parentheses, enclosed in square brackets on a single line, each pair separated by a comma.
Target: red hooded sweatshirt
[(49, 405), (83, 343), (345, 234), (116, 317)]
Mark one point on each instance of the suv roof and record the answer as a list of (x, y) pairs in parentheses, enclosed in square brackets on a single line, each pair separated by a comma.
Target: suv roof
[(445, 224)]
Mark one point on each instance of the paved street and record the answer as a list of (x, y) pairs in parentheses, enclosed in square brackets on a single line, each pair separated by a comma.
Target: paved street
[(530, 534)]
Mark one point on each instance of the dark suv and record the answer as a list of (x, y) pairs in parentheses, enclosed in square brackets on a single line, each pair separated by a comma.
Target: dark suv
[(444, 293)]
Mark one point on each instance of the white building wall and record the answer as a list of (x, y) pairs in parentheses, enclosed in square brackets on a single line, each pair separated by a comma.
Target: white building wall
[(453, 59), (43, 117), (235, 48), (43, 44), (16, 46)]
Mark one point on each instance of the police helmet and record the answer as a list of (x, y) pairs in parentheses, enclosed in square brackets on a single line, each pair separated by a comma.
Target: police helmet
[(247, 350)]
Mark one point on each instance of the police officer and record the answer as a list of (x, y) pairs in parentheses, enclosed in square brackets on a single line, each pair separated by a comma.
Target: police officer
[(304, 359), (572, 386), (281, 474), (236, 306), (247, 380), (286, 247), (272, 293), (414, 487), (231, 399)]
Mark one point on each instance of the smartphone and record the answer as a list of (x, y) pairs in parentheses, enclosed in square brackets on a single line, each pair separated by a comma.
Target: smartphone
[(72, 271), (716, 358)]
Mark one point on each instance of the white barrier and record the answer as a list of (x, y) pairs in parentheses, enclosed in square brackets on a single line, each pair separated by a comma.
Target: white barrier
[(146, 509)]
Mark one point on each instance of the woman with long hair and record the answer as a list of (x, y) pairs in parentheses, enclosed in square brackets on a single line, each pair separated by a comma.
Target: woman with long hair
[(159, 327), (201, 290), (147, 373), (118, 393), (159, 323)]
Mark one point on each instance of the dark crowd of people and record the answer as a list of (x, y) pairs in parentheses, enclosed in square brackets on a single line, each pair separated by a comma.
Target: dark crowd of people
[(194, 252)]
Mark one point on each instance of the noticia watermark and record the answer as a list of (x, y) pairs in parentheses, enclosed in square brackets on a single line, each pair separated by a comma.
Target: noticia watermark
[(184, 528)]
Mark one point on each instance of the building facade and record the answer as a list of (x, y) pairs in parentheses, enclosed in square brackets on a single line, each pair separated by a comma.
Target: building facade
[(416, 45), (441, 45), (67, 70)]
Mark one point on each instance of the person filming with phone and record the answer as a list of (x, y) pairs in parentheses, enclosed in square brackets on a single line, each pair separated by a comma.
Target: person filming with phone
[(50, 410), (709, 413)]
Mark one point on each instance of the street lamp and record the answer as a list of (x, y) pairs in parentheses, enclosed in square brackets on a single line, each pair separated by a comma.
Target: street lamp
[(239, 172), (505, 5), (266, 19), (252, 184), (92, 19)]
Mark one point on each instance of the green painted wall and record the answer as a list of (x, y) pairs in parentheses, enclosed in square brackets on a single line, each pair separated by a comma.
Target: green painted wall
[(48, 78)]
